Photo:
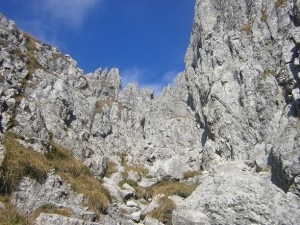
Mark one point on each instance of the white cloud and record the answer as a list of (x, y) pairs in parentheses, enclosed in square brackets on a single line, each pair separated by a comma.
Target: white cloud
[(169, 77), (132, 75), (141, 78), (41, 31), (69, 12)]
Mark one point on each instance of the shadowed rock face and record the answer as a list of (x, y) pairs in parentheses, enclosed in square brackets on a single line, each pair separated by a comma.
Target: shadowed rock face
[(237, 100)]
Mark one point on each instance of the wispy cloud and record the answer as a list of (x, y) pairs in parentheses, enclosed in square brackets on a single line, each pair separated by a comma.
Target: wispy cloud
[(142, 78), (49, 17), (65, 12), (169, 77)]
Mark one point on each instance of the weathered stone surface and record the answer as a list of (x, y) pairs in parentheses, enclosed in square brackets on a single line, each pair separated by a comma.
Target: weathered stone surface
[(235, 195), (238, 99), (151, 221), (54, 219), (242, 81), (32, 195), (189, 217)]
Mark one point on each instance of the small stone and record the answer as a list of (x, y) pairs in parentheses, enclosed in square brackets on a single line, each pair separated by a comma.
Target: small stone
[(134, 176), (189, 217), (132, 204), (136, 216)]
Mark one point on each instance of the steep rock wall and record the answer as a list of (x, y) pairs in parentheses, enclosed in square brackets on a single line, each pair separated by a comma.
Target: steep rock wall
[(242, 73)]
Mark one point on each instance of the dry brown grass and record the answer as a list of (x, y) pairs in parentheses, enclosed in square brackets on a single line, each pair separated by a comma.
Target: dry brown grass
[(82, 181), (20, 161), (266, 73), (3, 43), (100, 104), (139, 169), (191, 173), (279, 3), (10, 216), (263, 15), (173, 188), (246, 27), (111, 168), (31, 63), (52, 209), (167, 188), (164, 212)]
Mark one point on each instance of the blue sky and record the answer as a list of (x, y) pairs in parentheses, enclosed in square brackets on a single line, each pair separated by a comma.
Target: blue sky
[(145, 39)]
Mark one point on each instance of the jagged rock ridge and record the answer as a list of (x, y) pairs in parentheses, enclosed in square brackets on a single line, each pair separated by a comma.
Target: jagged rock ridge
[(233, 112)]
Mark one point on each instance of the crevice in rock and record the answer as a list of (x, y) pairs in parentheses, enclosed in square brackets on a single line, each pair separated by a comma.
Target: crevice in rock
[(109, 132), (295, 16), (190, 102), (143, 121), (70, 118), (278, 174)]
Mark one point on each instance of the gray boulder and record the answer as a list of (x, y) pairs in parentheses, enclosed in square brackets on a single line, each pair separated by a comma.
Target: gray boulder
[(233, 194)]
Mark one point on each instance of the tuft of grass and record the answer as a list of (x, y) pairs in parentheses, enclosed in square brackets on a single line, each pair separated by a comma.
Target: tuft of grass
[(164, 212), (79, 176), (9, 215), (32, 63), (19, 162), (246, 27), (140, 170), (56, 56), (167, 188), (111, 168), (263, 15), (268, 72), (191, 173), (279, 3), (3, 43), (52, 209), (172, 188)]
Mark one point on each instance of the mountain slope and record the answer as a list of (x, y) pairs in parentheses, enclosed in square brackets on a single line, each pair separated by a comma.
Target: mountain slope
[(233, 112)]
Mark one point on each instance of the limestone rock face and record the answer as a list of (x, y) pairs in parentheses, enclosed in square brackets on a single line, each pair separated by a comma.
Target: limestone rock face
[(234, 195), (33, 195), (242, 76), (53, 219), (233, 112)]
